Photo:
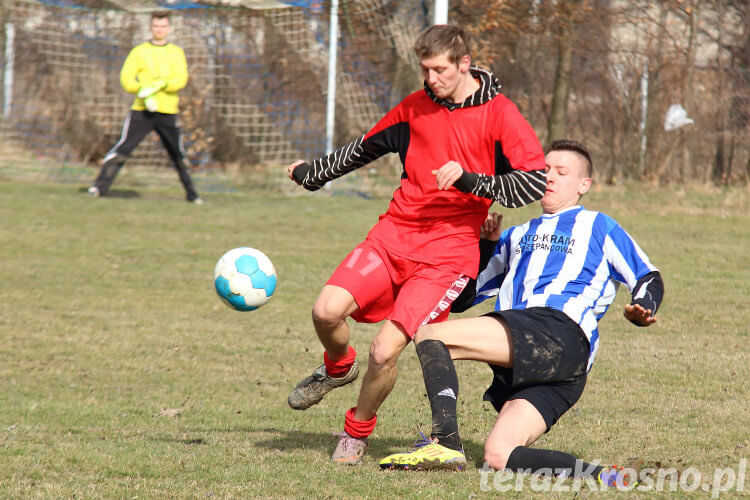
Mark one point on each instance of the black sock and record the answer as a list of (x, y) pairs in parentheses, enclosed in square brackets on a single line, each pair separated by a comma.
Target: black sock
[(441, 382), (532, 460)]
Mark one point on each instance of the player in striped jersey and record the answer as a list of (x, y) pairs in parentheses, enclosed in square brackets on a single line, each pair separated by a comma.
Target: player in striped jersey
[(554, 278), (463, 145)]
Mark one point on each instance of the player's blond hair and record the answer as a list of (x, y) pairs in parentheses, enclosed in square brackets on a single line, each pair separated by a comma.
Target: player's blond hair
[(443, 39)]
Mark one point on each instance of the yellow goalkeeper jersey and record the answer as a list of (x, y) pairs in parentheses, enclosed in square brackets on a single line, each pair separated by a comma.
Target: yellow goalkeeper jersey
[(148, 63)]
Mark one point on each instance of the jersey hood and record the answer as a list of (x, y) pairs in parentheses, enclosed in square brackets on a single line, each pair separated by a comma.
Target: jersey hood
[(489, 87)]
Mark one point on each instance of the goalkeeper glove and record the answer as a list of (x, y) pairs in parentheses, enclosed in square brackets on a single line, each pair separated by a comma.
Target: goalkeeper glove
[(151, 103), (149, 90)]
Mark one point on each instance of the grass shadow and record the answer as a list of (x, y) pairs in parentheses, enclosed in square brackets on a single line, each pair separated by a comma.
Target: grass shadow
[(474, 452), (379, 447), (116, 193), (123, 193), (290, 439)]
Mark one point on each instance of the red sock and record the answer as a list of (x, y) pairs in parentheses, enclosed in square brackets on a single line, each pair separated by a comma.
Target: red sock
[(340, 367), (359, 429)]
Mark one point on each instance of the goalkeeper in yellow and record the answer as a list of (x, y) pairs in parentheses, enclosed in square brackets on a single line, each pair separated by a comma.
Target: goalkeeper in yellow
[(155, 72)]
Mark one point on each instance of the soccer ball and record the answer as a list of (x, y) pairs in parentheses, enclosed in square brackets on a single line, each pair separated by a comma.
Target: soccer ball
[(244, 278)]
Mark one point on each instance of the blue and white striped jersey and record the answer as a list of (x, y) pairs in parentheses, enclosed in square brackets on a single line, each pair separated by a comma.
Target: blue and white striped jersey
[(572, 261)]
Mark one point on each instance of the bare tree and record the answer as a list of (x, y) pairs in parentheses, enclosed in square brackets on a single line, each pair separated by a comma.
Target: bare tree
[(719, 171), (692, 10), (654, 110), (567, 16), (606, 71), (739, 117)]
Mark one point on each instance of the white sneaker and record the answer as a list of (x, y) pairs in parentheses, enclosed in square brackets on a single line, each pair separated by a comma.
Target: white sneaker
[(349, 450), (198, 201), (93, 191)]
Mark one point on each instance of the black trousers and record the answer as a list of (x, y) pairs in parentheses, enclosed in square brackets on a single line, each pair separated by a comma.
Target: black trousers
[(137, 125)]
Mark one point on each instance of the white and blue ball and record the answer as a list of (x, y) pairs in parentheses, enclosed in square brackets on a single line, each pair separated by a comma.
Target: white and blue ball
[(244, 278)]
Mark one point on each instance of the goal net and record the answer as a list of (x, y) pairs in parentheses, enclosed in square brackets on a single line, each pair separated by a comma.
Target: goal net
[(258, 72)]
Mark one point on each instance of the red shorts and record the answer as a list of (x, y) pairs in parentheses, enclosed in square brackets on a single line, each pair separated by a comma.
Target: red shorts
[(386, 286)]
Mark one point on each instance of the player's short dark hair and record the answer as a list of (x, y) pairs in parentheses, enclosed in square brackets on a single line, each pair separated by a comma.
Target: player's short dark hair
[(441, 39), (160, 14), (576, 147)]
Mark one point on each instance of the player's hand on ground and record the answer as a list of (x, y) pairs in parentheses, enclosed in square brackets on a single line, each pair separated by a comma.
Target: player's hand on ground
[(290, 169), (491, 227), (448, 174), (637, 314)]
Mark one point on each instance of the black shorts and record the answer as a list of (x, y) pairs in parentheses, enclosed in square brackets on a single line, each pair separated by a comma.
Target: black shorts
[(550, 356)]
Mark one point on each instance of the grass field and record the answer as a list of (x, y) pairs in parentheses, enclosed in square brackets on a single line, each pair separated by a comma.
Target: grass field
[(122, 375)]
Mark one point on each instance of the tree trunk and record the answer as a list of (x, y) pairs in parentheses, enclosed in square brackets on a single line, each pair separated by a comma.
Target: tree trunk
[(569, 15), (558, 117), (719, 174), (653, 116), (687, 86), (738, 116)]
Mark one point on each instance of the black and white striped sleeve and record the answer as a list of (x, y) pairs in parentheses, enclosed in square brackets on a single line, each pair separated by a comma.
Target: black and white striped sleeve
[(514, 189), (330, 167), (393, 138)]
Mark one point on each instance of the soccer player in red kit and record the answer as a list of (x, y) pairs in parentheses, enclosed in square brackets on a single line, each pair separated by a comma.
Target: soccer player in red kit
[(462, 145)]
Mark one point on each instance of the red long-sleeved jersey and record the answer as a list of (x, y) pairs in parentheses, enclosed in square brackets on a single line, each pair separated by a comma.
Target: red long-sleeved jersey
[(499, 151)]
